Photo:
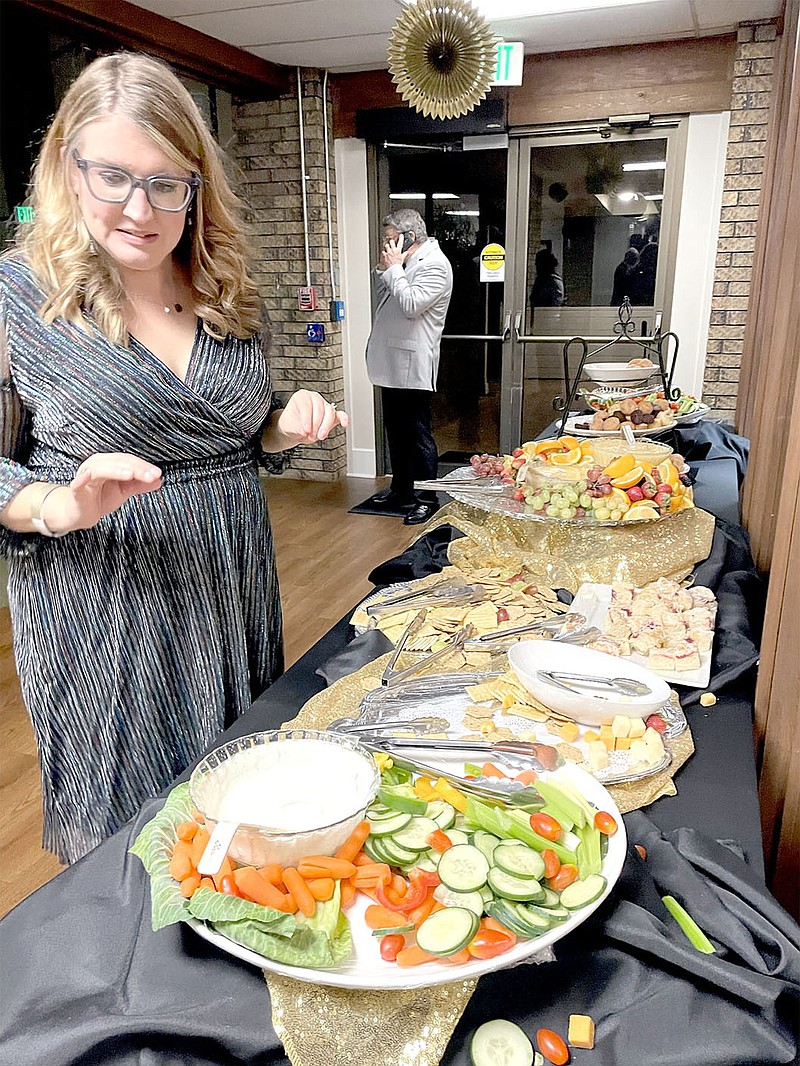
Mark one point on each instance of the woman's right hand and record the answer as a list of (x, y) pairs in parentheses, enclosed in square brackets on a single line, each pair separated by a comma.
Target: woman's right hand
[(101, 485)]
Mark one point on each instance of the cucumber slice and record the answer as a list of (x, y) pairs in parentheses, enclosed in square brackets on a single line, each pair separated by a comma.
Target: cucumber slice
[(402, 798), (447, 931), (442, 812), (463, 868), (486, 894), (528, 916), (369, 848), (500, 1043), (501, 910), (473, 901), (385, 826), (581, 893), (485, 842), (555, 915), (390, 930), (551, 898), (377, 850), (378, 811), (514, 888), (396, 854), (414, 834), (519, 860), (458, 836)]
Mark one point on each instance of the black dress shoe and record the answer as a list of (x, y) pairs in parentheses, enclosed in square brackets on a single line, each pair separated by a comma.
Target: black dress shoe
[(421, 512), (391, 502), (385, 495)]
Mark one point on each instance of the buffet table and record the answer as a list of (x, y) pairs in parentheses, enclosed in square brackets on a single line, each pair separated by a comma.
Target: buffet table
[(87, 981)]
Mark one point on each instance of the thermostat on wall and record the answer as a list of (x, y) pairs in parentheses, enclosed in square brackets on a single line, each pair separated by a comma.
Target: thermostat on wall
[(307, 298)]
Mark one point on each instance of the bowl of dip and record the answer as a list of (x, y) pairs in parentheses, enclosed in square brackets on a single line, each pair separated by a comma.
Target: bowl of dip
[(291, 792)]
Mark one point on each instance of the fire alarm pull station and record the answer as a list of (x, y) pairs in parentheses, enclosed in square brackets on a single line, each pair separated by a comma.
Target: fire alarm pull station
[(307, 298)]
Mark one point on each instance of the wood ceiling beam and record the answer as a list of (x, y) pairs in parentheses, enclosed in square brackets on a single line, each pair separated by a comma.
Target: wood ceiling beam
[(195, 53)]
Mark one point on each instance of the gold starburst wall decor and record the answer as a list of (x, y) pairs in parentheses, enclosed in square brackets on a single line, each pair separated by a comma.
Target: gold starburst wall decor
[(442, 57)]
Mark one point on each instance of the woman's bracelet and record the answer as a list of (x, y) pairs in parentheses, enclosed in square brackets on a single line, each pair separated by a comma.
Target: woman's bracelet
[(38, 521)]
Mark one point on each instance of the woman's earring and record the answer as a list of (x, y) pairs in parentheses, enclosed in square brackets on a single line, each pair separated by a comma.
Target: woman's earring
[(92, 247)]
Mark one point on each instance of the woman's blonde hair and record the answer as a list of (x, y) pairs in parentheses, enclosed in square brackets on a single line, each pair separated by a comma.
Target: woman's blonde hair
[(213, 246)]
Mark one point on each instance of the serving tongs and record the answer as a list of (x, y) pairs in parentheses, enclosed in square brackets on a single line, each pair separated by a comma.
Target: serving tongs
[(498, 638), (490, 483), (505, 791), (432, 596), (628, 686), (391, 675)]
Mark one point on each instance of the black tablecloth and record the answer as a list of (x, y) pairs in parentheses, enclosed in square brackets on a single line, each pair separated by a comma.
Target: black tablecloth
[(86, 981)]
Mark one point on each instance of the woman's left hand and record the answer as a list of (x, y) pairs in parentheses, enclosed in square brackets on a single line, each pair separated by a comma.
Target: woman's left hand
[(307, 418)]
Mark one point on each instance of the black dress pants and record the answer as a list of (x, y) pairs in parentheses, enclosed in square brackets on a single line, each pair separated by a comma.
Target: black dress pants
[(412, 449)]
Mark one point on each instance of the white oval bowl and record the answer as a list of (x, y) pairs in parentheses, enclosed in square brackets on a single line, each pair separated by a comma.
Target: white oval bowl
[(618, 373), (529, 656)]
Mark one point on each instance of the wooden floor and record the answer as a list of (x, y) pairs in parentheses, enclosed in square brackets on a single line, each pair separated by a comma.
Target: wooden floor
[(324, 555)]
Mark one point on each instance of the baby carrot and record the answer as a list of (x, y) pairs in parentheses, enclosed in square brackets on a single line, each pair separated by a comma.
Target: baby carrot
[(352, 846), (257, 889), (325, 866), (299, 890), (190, 884), (186, 831), (224, 871), (378, 917), (201, 838), (208, 882), (362, 859), (414, 956), (272, 872), (348, 894), (180, 866), (321, 888), (198, 817), (371, 874)]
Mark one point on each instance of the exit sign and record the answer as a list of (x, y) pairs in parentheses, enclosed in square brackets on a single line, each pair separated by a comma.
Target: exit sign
[(24, 213), (508, 71)]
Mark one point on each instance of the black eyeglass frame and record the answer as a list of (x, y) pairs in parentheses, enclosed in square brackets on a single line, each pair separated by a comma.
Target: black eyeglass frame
[(194, 182)]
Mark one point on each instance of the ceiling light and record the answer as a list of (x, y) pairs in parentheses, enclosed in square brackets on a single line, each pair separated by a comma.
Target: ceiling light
[(656, 164), (654, 196), (406, 195), (627, 197), (476, 214), (445, 196), (496, 10)]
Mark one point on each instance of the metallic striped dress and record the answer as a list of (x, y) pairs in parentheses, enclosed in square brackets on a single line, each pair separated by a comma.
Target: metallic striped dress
[(137, 641)]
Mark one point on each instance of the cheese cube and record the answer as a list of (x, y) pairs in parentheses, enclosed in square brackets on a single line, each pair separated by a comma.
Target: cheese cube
[(654, 744), (581, 1031), (622, 743), (569, 732), (590, 736), (639, 751), (637, 728), (621, 725), (607, 736), (598, 755)]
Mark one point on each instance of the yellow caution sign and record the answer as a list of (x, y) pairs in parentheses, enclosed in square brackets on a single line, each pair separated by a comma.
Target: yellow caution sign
[(493, 263)]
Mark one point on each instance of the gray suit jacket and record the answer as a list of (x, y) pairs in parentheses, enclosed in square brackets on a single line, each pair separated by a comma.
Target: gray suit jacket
[(403, 347)]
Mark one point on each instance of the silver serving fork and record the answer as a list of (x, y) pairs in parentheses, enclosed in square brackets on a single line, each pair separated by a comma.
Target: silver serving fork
[(435, 597), (626, 685), (392, 676)]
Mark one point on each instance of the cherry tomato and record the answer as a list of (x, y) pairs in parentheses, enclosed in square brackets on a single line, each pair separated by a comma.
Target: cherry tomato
[(552, 863), (487, 943), (606, 823), (228, 886), (565, 876), (546, 826), (391, 944), (552, 1047)]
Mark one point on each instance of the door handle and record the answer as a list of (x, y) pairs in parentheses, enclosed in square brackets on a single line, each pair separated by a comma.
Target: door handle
[(506, 328), (517, 323)]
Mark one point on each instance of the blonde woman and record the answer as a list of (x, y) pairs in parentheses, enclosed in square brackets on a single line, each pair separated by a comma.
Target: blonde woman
[(136, 400)]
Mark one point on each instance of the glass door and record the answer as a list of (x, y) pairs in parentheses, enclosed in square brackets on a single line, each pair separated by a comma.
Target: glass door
[(593, 223), (462, 197)]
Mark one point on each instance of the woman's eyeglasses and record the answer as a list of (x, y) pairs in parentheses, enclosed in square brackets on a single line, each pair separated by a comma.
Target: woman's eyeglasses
[(115, 185)]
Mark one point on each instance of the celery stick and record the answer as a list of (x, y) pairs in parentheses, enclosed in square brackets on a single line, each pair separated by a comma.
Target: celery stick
[(691, 929), (569, 802)]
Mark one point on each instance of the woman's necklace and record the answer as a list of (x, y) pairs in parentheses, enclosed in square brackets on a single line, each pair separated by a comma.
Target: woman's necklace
[(174, 307)]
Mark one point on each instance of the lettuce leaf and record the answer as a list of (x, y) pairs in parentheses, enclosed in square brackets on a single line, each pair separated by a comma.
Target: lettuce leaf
[(318, 942)]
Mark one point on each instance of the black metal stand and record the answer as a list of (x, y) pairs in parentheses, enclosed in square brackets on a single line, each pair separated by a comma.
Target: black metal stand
[(657, 347)]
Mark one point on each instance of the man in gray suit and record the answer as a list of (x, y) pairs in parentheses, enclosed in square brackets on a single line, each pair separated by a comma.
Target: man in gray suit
[(414, 281)]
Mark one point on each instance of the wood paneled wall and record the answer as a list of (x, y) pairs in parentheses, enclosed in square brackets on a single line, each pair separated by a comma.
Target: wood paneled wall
[(769, 399), (662, 78)]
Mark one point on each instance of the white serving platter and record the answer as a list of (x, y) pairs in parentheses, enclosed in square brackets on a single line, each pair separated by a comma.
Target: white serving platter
[(619, 373), (593, 601), (366, 969), (571, 427)]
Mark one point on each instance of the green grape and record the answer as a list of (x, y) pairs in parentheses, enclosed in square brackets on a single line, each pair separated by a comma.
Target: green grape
[(572, 512), (552, 511), (565, 512), (586, 501), (602, 514), (545, 495)]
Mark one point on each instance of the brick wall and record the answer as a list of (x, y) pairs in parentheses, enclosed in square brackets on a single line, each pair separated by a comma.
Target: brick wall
[(752, 89), (267, 151)]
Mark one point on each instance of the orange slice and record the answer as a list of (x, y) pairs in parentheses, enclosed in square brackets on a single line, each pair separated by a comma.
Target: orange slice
[(569, 442), (622, 497), (627, 481), (640, 512), (680, 503), (550, 445), (574, 455), (619, 467), (668, 473), (586, 447)]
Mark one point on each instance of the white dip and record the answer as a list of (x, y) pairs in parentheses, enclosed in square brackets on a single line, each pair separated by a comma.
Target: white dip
[(289, 785)]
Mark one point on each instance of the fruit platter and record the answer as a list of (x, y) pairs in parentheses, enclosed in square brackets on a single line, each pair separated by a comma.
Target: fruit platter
[(434, 884), (568, 479)]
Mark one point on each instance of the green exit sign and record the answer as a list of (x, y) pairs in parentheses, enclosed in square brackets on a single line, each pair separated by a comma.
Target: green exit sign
[(24, 213), (510, 55)]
